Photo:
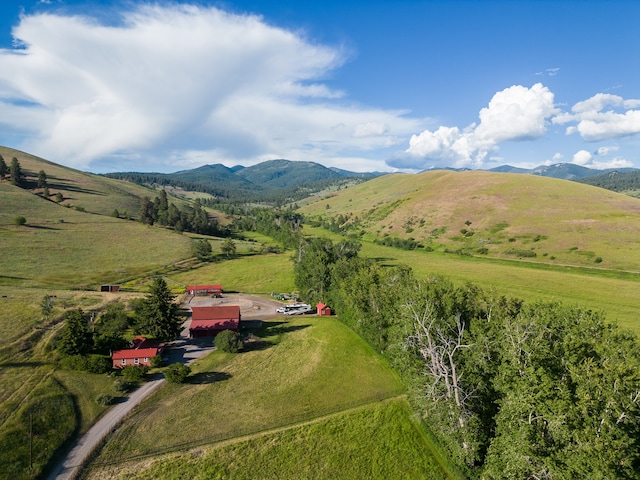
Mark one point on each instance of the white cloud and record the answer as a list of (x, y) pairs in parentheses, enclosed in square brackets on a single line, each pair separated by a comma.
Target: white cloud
[(586, 159), (602, 117), (601, 151), (370, 129), (180, 79), (513, 114), (582, 157)]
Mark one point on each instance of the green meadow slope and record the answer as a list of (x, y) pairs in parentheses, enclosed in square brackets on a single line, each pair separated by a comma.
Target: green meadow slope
[(308, 398), (92, 193), (496, 214)]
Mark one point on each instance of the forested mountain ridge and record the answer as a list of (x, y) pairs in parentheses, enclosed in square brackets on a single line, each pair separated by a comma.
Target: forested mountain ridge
[(270, 181), (617, 181), (564, 171)]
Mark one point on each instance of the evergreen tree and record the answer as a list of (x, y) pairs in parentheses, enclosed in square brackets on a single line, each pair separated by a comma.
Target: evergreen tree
[(4, 169), (75, 338), (15, 172), (157, 314), (147, 211), (42, 179)]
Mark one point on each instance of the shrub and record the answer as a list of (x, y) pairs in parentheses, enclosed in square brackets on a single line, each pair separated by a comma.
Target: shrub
[(74, 362), (104, 399), (98, 363), (20, 220), (177, 373), (120, 385), (156, 361), (133, 373), (228, 341), (598, 260)]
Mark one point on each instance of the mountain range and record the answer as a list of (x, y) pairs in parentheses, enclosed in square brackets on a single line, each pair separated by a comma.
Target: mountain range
[(281, 174)]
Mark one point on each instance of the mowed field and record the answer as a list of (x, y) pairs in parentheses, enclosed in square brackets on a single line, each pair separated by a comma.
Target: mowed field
[(612, 292), (308, 399)]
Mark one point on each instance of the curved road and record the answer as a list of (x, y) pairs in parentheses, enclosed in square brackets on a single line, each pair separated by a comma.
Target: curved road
[(184, 350)]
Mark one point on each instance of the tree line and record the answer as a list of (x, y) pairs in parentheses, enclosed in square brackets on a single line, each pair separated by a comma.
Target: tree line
[(509, 389), (190, 218), (283, 225)]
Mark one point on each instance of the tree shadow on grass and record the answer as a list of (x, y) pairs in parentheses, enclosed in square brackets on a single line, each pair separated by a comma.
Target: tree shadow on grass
[(204, 378)]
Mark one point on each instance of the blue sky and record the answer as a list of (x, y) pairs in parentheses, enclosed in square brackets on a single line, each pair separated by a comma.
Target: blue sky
[(360, 85)]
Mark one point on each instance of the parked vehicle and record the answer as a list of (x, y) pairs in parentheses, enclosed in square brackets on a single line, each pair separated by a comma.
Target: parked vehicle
[(295, 309)]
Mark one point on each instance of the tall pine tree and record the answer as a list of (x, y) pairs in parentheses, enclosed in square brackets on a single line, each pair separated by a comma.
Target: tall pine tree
[(157, 314)]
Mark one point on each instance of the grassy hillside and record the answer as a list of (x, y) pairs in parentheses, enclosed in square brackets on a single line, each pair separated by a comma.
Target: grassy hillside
[(374, 442), (500, 215), (65, 248), (298, 370), (92, 193)]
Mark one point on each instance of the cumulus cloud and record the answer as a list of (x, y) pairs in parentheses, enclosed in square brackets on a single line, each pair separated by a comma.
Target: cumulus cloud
[(582, 157), (514, 114), (602, 117), (606, 150), (587, 159), (165, 81)]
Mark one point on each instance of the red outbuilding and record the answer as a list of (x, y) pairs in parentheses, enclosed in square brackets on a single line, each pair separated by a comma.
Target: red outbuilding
[(209, 321), (139, 355), (323, 310), (215, 290)]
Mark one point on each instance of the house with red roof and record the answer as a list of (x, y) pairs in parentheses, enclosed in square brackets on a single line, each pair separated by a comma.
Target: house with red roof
[(209, 321), (139, 355)]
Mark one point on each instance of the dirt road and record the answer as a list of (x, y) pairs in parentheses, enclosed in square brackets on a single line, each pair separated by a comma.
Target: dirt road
[(183, 350)]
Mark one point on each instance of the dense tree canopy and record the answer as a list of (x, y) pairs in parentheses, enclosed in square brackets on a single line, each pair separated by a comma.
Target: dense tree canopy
[(509, 389)]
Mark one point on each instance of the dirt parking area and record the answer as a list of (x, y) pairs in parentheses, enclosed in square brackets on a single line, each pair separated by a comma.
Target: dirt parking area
[(251, 306)]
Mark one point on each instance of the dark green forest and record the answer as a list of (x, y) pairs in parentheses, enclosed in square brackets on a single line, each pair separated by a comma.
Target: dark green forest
[(616, 181), (509, 389)]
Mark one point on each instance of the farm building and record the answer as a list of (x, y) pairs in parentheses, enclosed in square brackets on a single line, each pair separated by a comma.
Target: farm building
[(140, 355), (209, 321), (215, 290), (109, 288), (323, 310)]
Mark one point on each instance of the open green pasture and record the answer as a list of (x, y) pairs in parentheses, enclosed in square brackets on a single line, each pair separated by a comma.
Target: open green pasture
[(257, 274), (613, 292), (294, 370), (61, 247), (379, 441)]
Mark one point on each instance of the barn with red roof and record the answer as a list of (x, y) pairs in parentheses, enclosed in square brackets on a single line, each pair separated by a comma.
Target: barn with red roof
[(139, 355), (209, 321), (214, 290)]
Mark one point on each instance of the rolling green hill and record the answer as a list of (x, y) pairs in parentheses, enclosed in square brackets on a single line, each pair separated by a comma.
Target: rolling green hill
[(497, 214), (87, 191)]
